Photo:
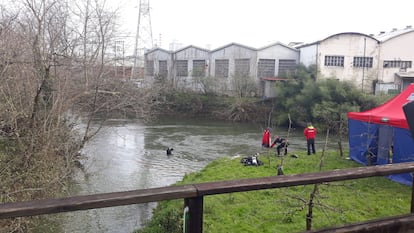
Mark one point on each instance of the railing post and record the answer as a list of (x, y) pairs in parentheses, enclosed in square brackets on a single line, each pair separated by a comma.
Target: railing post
[(412, 194), (195, 210)]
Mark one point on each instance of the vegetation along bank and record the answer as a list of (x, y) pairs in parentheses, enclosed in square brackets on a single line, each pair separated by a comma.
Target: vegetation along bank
[(285, 209)]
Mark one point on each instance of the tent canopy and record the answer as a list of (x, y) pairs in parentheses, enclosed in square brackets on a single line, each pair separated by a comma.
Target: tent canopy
[(390, 113), (381, 135)]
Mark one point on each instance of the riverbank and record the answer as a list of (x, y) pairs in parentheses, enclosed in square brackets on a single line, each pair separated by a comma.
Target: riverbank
[(284, 210)]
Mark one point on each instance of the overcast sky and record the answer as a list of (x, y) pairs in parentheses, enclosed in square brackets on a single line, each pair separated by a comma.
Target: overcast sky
[(257, 23)]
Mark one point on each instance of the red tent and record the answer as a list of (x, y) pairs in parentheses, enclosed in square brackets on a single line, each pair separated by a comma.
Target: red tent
[(381, 135), (390, 113)]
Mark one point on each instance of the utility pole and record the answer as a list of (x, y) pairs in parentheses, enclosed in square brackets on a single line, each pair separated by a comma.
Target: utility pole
[(364, 63), (119, 47), (143, 39)]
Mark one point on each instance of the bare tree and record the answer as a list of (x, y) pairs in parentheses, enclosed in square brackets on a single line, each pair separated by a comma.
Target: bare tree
[(243, 85), (53, 63)]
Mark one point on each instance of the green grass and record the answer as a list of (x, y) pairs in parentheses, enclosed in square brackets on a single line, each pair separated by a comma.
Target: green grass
[(284, 210)]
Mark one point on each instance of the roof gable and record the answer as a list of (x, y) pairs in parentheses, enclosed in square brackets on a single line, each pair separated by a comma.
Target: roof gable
[(278, 44), (236, 45), (156, 50), (191, 46)]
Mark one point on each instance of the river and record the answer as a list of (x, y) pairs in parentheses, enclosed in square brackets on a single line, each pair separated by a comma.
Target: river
[(128, 154)]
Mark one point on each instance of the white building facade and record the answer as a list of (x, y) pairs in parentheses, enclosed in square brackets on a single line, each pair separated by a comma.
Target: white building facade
[(349, 57), (224, 69), (190, 64), (372, 63), (233, 61), (158, 64), (274, 62), (396, 59)]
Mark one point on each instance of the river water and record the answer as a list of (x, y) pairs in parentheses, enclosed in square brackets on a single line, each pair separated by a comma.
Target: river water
[(128, 154)]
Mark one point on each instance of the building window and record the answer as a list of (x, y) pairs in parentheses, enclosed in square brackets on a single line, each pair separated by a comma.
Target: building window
[(334, 61), (286, 67), (199, 68), (242, 67), (149, 67), (363, 62), (266, 68), (182, 68), (222, 68), (397, 64), (163, 72)]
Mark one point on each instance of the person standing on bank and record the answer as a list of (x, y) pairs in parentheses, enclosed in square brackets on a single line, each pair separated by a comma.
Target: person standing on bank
[(266, 138), (310, 134)]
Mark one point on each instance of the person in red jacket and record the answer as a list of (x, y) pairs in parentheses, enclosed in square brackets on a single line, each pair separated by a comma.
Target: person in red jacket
[(310, 134), (266, 138)]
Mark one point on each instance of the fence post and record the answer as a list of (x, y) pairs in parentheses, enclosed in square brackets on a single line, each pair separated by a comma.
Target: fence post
[(195, 210), (412, 194)]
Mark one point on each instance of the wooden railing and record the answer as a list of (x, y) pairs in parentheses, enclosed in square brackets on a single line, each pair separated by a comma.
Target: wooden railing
[(193, 195)]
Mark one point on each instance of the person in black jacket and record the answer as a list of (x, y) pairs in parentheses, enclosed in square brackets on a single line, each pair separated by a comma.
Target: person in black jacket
[(283, 144)]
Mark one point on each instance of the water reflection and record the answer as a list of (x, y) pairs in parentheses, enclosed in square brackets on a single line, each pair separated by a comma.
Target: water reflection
[(128, 155)]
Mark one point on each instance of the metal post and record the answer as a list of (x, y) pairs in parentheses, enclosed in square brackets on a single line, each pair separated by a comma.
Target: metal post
[(364, 63)]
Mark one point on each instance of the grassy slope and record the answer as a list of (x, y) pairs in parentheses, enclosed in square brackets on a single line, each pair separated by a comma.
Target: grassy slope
[(284, 210)]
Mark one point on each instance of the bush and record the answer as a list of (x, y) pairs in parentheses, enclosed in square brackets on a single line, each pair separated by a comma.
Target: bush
[(324, 102), (167, 219)]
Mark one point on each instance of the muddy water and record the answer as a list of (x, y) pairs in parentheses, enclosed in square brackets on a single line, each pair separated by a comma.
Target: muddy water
[(128, 155)]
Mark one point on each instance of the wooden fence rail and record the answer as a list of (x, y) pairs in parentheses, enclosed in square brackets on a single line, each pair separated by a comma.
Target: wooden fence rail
[(193, 194)]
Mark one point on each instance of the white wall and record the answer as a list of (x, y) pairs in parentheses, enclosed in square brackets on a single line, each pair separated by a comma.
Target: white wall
[(232, 52), (349, 45), (190, 54), (158, 55), (308, 54), (277, 52), (397, 48)]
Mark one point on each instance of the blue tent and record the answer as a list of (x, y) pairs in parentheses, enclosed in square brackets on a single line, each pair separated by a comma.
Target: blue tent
[(381, 135)]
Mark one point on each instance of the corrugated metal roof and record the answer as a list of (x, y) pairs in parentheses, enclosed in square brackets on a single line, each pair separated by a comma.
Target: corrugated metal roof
[(278, 43), (157, 49), (384, 36), (191, 46), (234, 44), (350, 33)]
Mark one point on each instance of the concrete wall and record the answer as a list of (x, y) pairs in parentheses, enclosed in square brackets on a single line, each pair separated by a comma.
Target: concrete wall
[(232, 52), (189, 54), (155, 56), (349, 45), (397, 48), (308, 54), (278, 51)]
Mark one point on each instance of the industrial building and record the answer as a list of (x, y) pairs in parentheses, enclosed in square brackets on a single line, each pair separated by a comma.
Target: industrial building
[(381, 63)]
